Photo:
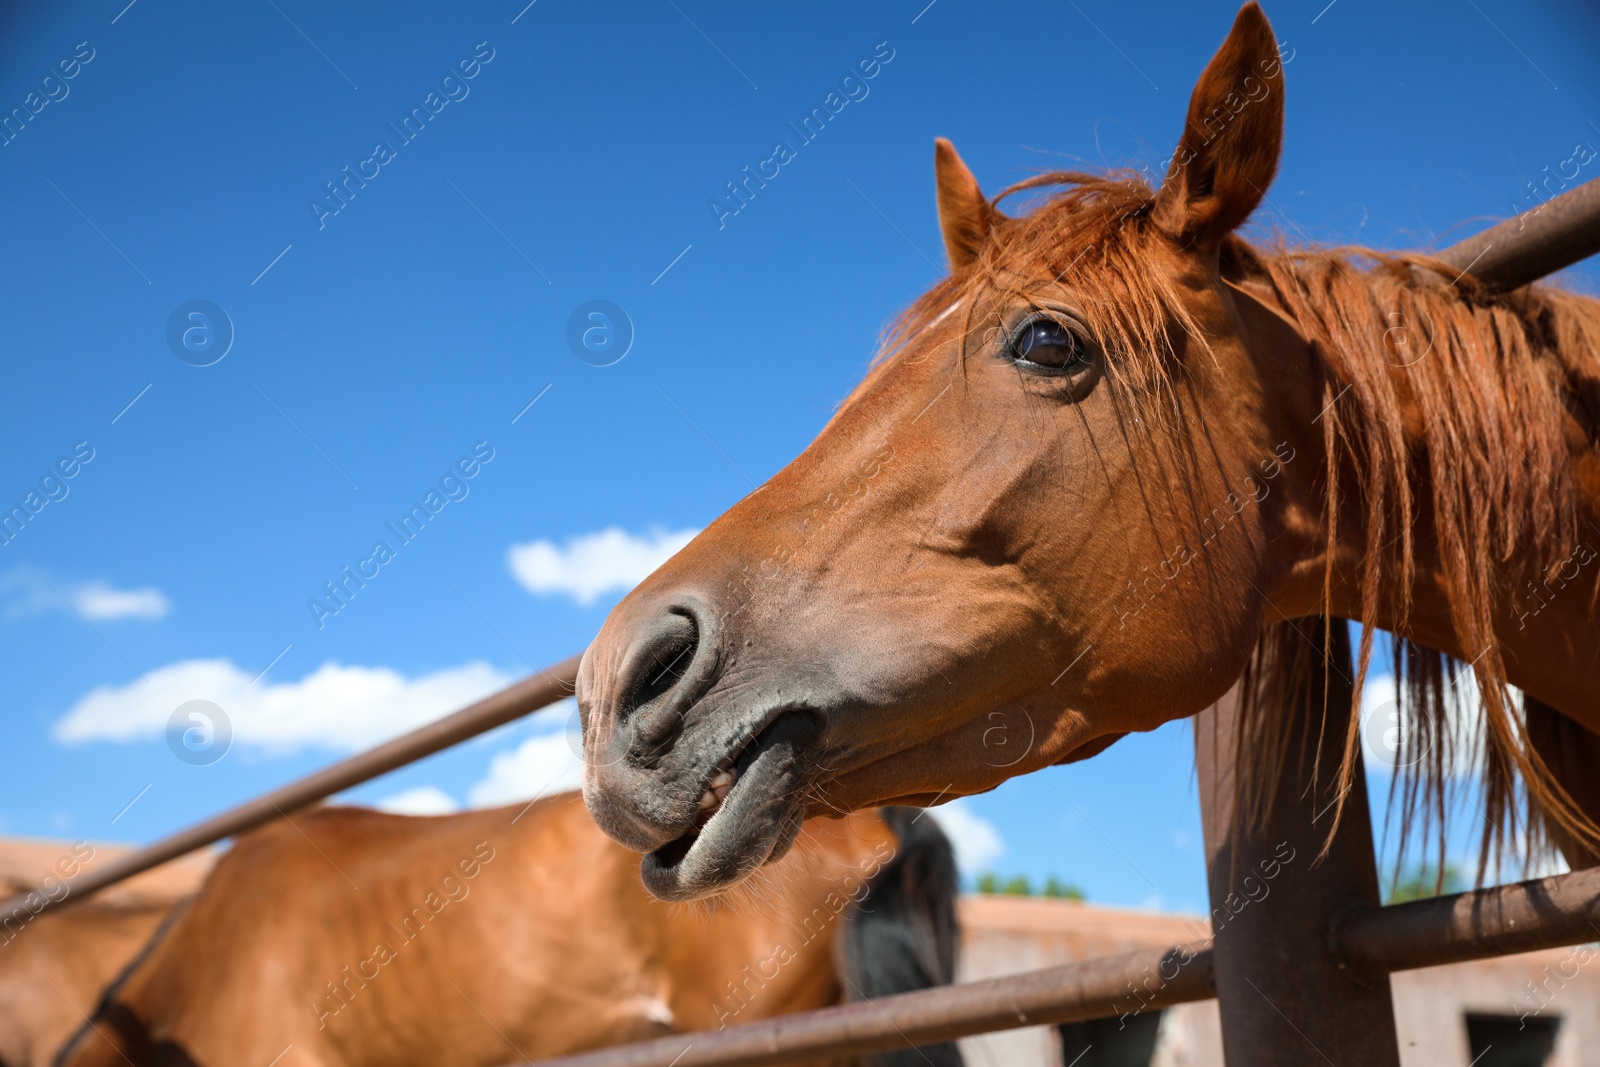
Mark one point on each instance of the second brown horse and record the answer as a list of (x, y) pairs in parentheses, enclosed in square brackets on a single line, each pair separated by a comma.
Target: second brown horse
[(353, 938)]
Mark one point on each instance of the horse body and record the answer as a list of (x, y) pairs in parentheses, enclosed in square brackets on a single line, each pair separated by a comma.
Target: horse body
[(354, 938), (52, 972), (1099, 470)]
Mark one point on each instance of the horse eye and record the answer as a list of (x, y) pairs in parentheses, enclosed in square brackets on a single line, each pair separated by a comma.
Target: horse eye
[(1047, 345)]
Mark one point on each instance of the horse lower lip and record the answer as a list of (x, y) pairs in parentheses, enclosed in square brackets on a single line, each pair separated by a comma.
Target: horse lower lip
[(716, 791), (725, 787), (672, 853)]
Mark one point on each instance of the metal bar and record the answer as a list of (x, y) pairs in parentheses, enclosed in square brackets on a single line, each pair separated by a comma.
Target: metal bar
[(1547, 913), (529, 695), (1114, 985), (1525, 248), (1284, 995)]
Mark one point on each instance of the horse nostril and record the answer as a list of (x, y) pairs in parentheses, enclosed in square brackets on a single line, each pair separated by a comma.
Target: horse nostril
[(665, 662)]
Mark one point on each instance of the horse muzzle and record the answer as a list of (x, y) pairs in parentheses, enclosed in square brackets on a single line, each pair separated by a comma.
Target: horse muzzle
[(708, 781)]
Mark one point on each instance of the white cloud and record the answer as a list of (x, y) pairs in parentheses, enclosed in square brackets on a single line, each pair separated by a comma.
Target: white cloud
[(420, 800), (1377, 702), (542, 765), (334, 707), (588, 566), (28, 592), (1384, 743), (977, 842), (97, 600)]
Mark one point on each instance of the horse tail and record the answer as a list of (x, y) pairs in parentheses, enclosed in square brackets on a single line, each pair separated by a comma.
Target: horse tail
[(903, 935), (113, 1036)]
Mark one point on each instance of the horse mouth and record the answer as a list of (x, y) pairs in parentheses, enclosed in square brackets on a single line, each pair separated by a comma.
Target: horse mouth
[(749, 812)]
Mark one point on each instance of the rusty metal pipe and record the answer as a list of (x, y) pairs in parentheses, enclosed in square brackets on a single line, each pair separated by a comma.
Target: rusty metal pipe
[(1126, 984), (1546, 913), (1541, 241)]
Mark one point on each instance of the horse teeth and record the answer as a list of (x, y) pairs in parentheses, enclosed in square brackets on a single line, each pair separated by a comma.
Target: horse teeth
[(716, 790)]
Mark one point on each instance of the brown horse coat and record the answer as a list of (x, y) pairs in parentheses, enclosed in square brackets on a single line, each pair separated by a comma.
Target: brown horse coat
[(52, 972), (349, 937)]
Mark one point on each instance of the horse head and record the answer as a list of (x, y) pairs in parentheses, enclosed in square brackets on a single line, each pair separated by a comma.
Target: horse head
[(1074, 447)]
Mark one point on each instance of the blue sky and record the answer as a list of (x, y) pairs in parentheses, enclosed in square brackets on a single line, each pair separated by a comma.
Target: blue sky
[(375, 348)]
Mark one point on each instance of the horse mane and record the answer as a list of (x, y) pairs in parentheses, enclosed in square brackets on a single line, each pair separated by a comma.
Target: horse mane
[(1491, 381), (1486, 384)]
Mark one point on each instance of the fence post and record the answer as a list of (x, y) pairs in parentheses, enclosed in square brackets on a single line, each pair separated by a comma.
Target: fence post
[(1283, 994)]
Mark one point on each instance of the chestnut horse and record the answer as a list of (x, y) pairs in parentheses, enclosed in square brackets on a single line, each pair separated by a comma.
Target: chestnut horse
[(349, 937), (51, 975), (1114, 454)]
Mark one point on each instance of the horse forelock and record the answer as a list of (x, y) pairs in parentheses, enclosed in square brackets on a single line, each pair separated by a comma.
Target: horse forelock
[(1089, 235), (1090, 226)]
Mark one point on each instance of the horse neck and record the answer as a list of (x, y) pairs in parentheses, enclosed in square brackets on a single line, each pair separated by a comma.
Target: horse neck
[(1460, 433)]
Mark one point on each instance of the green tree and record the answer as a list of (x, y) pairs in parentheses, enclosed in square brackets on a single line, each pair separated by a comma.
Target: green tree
[(988, 882), (1423, 881), (1018, 886), (1056, 888)]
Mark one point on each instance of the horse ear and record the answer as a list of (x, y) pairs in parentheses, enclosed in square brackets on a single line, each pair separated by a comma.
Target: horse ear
[(1231, 139), (965, 214)]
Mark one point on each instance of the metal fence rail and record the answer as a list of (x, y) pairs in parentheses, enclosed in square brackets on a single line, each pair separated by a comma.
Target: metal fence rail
[(1091, 989), (1557, 234), (1548, 913), (527, 696)]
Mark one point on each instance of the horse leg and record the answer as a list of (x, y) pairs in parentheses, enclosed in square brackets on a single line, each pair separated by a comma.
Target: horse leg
[(1572, 752)]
